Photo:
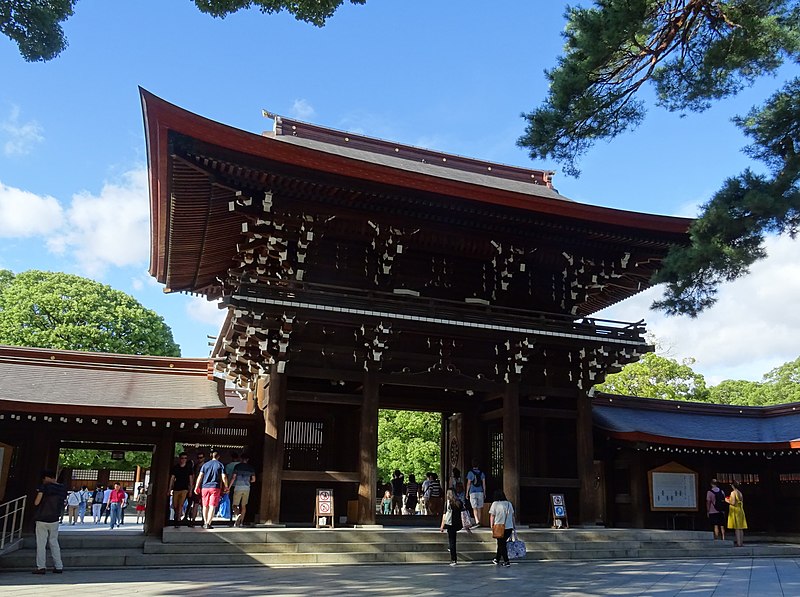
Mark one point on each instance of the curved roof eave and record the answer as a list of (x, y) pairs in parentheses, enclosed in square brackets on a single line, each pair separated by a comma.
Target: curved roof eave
[(161, 117)]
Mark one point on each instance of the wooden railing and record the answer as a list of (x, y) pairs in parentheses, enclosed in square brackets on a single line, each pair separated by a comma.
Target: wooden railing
[(11, 516)]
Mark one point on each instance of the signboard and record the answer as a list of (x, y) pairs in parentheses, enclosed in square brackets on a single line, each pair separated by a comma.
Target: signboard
[(673, 488), (118, 455), (323, 510), (558, 511)]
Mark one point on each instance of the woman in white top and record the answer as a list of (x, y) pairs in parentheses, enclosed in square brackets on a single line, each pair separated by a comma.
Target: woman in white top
[(451, 521), (502, 512)]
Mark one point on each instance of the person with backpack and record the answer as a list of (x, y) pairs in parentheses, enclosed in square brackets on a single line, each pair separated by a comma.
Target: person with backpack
[(83, 495), (412, 494), (433, 496), (73, 501), (97, 504), (476, 491), (717, 509)]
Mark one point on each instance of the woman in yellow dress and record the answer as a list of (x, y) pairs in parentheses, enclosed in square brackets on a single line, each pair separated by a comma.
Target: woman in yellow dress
[(736, 517)]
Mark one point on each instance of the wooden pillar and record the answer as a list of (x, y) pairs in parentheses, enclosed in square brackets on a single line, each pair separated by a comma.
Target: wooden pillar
[(585, 451), (156, 512), (272, 471), (511, 439), (368, 450)]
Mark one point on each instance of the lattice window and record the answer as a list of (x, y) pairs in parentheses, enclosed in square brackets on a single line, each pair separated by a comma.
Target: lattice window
[(303, 446), (84, 474), (121, 476), (230, 431)]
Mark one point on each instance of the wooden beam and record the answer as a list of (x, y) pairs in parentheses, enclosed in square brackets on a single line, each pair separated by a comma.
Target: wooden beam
[(323, 476), (585, 450), (156, 512), (554, 482), (547, 413), (368, 450), (274, 422), (324, 397), (511, 439)]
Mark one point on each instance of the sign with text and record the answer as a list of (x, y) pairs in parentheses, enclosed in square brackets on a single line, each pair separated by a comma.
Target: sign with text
[(323, 511), (558, 511), (673, 488)]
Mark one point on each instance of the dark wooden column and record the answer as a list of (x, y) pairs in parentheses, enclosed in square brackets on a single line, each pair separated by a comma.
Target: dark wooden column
[(272, 473), (511, 439), (585, 450), (156, 513), (368, 450)]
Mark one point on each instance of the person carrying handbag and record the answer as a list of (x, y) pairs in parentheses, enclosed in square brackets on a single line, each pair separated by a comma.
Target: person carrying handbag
[(501, 517)]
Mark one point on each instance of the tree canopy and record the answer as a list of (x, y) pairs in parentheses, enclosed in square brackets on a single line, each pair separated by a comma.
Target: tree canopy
[(63, 311), (409, 441), (35, 25), (693, 52), (656, 376)]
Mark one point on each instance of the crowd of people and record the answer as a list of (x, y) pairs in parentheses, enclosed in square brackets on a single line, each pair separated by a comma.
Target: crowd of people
[(210, 489)]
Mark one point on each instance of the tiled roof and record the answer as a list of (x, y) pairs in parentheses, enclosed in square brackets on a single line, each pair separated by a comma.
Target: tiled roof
[(695, 424), (68, 382)]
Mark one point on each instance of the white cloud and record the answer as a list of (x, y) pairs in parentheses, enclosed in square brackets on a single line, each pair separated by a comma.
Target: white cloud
[(751, 329), (111, 228), (25, 214), (207, 312), (20, 137), (303, 110)]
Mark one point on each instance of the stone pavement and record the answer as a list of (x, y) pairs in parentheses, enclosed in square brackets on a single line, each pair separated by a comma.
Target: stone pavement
[(758, 577)]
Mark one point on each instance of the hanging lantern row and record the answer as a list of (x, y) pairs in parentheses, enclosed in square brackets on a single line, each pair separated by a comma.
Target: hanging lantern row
[(96, 421), (714, 451)]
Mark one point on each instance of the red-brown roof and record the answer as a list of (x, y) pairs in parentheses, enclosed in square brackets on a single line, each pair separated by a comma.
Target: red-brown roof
[(41, 380)]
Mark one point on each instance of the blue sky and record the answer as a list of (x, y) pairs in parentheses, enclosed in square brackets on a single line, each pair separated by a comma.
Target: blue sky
[(450, 77)]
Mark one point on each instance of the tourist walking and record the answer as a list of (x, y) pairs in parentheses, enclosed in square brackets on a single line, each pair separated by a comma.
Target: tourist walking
[(195, 503), (115, 501), (244, 475), (106, 504), (717, 508), (97, 504), (73, 501), (476, 491), (84, 495), (434, 496), (397, 492), (501, 512), (49, 503), (210, 484), (412, 494), (229, 512), (451, 522), (141, 504), (736, 518), (181, 480)]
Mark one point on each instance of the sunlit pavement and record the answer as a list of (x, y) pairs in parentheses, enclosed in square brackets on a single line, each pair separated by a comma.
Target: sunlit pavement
[(696, 578)]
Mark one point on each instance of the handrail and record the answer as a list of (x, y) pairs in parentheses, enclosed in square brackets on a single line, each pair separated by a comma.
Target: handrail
[(11, 512)]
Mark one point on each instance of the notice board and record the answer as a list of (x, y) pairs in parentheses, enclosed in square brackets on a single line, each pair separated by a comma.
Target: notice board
[(673, 488)]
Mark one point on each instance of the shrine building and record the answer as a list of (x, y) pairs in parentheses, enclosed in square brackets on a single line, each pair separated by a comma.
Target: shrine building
[(361, 274)]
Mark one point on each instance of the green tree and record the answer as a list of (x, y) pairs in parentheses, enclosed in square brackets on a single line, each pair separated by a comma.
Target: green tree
[(738, 392), (655, 376), (782, 384), (409, 441), (693, 52), (57, 310), (101, 459), (35, 25)]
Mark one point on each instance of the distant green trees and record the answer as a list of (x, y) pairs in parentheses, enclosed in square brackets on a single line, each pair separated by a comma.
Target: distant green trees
[(661, 377), (409, 441)]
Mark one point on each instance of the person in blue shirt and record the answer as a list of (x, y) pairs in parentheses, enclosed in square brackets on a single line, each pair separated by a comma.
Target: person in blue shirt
[(476, 491)]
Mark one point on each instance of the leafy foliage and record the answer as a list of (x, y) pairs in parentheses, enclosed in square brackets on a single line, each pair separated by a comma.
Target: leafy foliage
[(655, 376), (36, 25), (660, 377), (694, 52), (63, 311), (409, 441), (101, 459)]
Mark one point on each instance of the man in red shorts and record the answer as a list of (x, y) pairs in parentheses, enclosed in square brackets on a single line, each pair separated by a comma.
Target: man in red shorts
[(211, 483)]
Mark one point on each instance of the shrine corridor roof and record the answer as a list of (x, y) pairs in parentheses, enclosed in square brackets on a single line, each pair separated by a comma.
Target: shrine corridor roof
[(40, 380), (693, 424)]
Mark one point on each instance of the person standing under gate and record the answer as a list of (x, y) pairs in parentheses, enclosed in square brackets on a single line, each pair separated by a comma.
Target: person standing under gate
[(451, 521), (397, 492), (736, 518), (476, 491), (83, 494), (244, 475), (412, 494), (73, 501), (49, 502), (435, 499), (106, 503), (115, 501), (210, 484), (97, 504), (716, 507), (181, 480)]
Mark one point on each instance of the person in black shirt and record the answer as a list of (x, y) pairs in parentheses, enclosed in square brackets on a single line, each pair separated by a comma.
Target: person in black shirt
[(49, 502), (180, 481)]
